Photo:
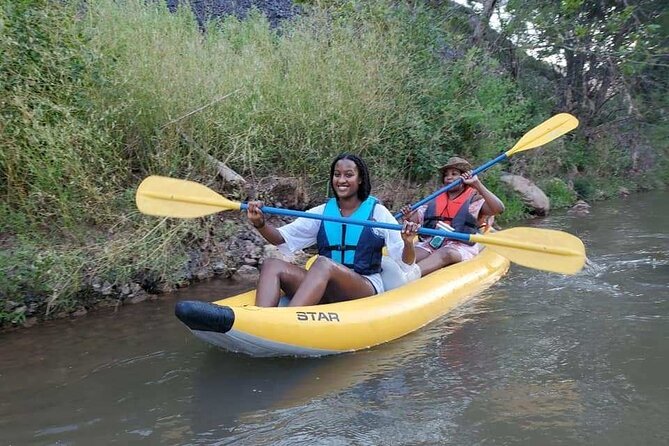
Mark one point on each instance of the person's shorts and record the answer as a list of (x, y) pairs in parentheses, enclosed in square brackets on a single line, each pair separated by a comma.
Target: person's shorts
[(466, 251)]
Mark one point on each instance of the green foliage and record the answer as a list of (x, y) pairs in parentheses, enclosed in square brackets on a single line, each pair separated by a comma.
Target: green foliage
[(603, 49), (55, 161), (371, 79), (514, 209), (93, 100), (586, 188), (29, 269), (559, 193), (152, 253), (16, 317)]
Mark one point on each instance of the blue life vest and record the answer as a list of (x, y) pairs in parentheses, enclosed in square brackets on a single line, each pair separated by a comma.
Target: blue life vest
[(354, 246)]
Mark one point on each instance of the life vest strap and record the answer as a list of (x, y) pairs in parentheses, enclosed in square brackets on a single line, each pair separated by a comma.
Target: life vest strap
[(340, 247), (449, 220)]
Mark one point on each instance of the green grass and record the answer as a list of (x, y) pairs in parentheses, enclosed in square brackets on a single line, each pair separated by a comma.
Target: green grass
[(559, 193)]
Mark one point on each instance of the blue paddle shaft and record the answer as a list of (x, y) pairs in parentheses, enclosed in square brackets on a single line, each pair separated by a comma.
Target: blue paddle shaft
[(446, 188), (349, 221)]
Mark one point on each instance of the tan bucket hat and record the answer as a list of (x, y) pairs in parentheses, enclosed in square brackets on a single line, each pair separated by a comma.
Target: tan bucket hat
[(456, 162)]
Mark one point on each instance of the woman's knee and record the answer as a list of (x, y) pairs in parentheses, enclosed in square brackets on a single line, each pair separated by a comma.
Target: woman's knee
[(273, 264), (323, 264), (448, 256), (274, 268)]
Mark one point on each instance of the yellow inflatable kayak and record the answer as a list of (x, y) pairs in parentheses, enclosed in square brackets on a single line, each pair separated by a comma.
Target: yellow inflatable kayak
[(237, 325)]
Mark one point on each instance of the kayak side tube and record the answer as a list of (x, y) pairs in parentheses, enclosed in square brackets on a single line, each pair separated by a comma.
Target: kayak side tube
[(236, 324), (213, 324)]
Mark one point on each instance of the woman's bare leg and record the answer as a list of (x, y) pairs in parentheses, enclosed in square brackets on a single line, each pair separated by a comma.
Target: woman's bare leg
[(441, 257), (331, 282), (277, 275), (421, 253)]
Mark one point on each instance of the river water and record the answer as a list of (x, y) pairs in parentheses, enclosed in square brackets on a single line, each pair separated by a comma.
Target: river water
[(539, 358)]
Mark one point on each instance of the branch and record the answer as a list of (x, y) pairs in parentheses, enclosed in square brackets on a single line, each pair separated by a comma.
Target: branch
[(199, 109)]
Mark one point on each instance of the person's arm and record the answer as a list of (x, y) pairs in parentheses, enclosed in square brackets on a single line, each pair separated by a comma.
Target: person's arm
[(408, 235), (298, 234), (399, 243), (491, 205)]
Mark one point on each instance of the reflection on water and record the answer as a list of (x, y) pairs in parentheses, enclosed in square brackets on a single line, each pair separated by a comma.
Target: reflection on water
[(538, 359)]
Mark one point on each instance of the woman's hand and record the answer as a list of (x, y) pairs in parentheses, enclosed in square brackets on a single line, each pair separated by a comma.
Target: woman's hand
[(409, 231), (255, 215), (470, 180), (408, 214)]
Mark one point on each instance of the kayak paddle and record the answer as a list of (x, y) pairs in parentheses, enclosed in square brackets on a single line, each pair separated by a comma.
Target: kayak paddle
[(545, 132), (542, 249)]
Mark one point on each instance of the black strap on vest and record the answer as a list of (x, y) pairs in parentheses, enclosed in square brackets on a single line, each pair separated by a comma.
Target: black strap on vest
[(448, 220)]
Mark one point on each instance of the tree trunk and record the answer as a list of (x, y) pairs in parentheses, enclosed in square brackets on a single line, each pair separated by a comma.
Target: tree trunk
[(482, 24)]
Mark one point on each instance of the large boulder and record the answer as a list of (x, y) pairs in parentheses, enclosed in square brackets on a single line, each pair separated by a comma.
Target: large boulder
[(533, 197), (276, 11)]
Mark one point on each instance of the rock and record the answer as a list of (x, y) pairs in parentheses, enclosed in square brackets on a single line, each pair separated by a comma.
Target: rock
[(288, 192), (140, 297), (107, 303), (275, 10), (247, 273), (272, 252), (530, 194), (296, 258), (19, 312), (10, 305), (125, 289), (79, 312), (219, 267), (623, 192), (250, 261), (300, 258), (202, 274), (29, 322), (580, 208), (106, 289)]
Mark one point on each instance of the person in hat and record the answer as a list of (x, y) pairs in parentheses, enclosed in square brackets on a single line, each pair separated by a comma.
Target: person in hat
[(464, 208)]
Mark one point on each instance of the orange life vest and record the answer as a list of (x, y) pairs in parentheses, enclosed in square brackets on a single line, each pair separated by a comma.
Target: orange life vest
[(454, 211)]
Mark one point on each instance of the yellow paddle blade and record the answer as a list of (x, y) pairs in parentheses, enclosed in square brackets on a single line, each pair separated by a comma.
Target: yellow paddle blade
[(545, 132), (543, 249), (171, 197)]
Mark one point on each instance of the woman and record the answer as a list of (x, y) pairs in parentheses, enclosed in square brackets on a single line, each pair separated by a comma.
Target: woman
[(464, 208), (349, 262)]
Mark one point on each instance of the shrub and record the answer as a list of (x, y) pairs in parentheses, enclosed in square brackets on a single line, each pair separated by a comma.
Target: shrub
[(559, 193)]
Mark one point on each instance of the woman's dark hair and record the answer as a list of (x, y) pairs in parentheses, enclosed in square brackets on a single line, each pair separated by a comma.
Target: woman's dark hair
[(365, 184)]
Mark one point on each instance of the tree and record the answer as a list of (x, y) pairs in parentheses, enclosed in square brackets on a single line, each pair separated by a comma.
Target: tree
[(601, 48)]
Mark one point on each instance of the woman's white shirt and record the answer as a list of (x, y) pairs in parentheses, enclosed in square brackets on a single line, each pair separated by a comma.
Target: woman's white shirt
[(303, 232)]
